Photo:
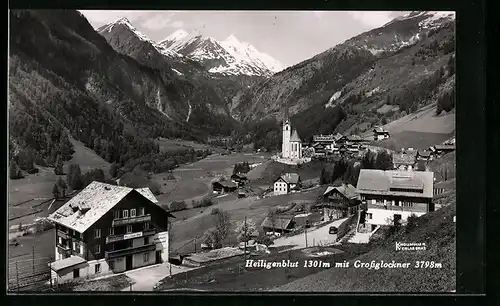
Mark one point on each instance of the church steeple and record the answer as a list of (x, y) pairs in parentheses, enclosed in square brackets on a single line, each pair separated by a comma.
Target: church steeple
[(286, 118)]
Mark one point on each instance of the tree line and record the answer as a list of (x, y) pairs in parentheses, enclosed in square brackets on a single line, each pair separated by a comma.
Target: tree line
[(347, 170)]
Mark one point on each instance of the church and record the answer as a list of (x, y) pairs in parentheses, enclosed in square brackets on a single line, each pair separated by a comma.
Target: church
[(292, 145)]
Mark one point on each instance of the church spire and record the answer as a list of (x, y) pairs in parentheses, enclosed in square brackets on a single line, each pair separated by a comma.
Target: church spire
[(287, 118)]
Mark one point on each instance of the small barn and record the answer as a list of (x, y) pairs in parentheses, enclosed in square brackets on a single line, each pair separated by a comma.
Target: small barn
[(280, 224), (379, 133), (224, 187), (239, 179)]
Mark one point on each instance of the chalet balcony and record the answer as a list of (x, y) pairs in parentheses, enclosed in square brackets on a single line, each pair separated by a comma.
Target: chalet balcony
[(128, 251), (131, 220), (114, 238), (416, 208), (65, 249), (62, 234)]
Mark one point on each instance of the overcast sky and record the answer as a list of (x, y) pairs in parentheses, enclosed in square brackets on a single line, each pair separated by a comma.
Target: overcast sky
[(288, 36)]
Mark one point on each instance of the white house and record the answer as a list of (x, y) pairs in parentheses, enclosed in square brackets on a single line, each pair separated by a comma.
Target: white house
[(286, 183), (108, 229), (391, 196)]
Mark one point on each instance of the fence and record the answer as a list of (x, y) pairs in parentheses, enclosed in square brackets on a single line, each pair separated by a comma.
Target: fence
[(345, 227), (29, 273)]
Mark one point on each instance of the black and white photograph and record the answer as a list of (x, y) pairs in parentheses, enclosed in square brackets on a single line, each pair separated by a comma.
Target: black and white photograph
[(231, 151)]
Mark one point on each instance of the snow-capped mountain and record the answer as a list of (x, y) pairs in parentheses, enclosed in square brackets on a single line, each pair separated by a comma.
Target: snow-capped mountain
[(230, 57), (402, 31), (125, 22)]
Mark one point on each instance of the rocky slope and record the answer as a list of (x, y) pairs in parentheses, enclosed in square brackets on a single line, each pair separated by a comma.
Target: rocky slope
[(63, 74), (403, 63)]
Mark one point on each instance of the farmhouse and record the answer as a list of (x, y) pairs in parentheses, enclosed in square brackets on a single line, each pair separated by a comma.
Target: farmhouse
[(327, 141), (224, 187), (404, 161), (392, 196), (319, 149), (340, 202), (239, 179), (279, 223), (286, 183), (108, 229), (442, 149), (424, 155), (379, 133)]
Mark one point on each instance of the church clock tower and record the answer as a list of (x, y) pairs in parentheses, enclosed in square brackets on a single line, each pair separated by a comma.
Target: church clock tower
[(287, 132)]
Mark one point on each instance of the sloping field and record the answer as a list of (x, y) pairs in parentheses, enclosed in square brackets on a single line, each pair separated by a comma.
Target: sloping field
[(436, 229), (86, 158), (412, 139), (418, 130), (173, 144)]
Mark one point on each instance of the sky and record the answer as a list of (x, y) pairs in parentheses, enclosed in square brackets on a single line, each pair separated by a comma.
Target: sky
[(288, 36)]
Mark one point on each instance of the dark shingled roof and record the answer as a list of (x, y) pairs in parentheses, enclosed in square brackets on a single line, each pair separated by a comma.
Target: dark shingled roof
[(281, 222), (290, 178), (349, 191), (379, 182), (295, 137)]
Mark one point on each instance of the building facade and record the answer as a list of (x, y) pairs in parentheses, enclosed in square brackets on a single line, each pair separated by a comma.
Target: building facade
[(392, 196), (286, 183), (380, 134), (340, 202), (108, 229)]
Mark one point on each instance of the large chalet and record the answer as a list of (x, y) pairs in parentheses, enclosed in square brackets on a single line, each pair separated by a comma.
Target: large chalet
[(339, 202), (392, 196), (108, 229)]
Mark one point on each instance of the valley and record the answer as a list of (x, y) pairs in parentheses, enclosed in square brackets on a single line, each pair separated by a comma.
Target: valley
[(173, 120)]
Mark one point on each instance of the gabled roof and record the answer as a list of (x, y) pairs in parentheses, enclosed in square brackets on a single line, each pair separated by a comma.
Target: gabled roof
[(404, 158), (354, 138), (290, 178), (295, 137), (445, 147), (93, 202), (424, 153), (281, 222), (348, 190), (239, 176), (380, 130), (379, 182), (67, 263), (338, 136), (227, 184)]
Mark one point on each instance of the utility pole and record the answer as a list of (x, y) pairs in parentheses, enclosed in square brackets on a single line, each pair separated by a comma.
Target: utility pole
[(245, 237), (305, 232), (195, 244), (33, 260), (17, 275)]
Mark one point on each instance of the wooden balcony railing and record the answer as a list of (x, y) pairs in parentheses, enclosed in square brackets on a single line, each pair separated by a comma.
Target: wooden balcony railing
[(398, 208), (145, 233), (131, 220), (129, 251), (62, 234)]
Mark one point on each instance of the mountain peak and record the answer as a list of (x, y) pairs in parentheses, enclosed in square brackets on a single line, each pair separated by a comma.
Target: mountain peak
[(176, 35), (232, 39), (122, 20)]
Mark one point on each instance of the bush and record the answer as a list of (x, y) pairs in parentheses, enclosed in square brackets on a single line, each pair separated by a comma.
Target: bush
[(215, 211), (205, 202), (178, 206), (264, 239), (411, 223)]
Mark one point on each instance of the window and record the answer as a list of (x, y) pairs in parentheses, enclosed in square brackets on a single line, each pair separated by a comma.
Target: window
[(97, 233), (129, 229), (146, 240), (141, 211), (132, 213), (129, 244), (146, 225), (116, 214), (74, 246), (111, 265), (97, 249), (146, 257), (60, 241), (369, 216), (125, 213), (71, 232), (111, 231), (97, 268), (81, 248), (111, 247), (81, 236)]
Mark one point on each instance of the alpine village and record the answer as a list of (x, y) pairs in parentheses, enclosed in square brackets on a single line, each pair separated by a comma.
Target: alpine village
[(137, 165)]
